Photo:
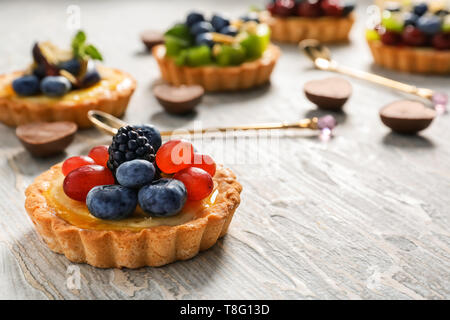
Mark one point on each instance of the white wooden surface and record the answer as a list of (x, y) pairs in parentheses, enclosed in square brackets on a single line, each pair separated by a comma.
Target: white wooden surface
[(365, 216)]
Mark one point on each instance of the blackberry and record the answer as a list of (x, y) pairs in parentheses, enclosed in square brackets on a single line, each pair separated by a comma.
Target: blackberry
[(128, 144)]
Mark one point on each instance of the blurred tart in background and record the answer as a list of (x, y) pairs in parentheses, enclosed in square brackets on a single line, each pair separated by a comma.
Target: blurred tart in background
[(219, 54), (324, 20), (63, 85), (412, 38)]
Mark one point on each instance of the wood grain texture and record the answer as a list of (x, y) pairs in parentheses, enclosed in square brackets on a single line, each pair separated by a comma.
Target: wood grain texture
[(364, 216)]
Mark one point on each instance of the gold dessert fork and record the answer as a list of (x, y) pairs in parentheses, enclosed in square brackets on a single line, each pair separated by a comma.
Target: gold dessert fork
[(321, 57), (110, 124)]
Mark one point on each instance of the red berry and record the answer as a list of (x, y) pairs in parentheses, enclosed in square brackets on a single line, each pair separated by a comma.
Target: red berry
[(284, 8), (271, 7), (100, 155), (75, 162), (441, 41), (414, 37), (175, 155), (309, 9), (205, 162), (79, 182), (198, 182), (332, 8), (390, 38)]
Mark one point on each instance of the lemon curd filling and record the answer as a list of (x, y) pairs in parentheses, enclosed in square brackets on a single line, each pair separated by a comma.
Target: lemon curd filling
[(76, 213), (112, 80)]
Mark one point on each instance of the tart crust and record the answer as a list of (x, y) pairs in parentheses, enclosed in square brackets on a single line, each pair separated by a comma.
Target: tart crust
[(17, 110), (407, 59), (155, 246), (214, 78), (296, 29)]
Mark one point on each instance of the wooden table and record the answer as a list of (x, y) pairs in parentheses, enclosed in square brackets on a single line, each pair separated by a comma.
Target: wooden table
[(364, 216)]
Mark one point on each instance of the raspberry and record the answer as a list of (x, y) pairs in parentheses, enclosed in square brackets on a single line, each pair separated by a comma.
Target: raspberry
[(128, 144)]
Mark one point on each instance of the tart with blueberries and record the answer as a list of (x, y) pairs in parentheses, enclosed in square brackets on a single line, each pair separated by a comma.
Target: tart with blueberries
[(63, 85), (412, 38), (219, 54), (324, 20), (134, 203)]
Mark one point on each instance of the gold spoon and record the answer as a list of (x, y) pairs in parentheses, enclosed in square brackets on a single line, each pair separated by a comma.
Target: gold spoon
[(321, 57), (109, 125)]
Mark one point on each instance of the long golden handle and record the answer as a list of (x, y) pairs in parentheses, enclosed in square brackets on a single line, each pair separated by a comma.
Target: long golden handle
[(109, 125), (332, 65)]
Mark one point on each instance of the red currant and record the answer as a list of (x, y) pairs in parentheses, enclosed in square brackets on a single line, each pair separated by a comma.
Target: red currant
[(441, 41), (75, 162), (284, 8), (332, 8), (271, 7), (175, 155), (80, 181), (100, 155), (309, 9), (414, 37), (198, 182), (390, 38), (205, 162)]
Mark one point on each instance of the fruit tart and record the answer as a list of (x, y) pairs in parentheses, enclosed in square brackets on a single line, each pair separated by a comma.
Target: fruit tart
[(412, 38), (219, 54), (63, 85), (134, 203), (324, 20)]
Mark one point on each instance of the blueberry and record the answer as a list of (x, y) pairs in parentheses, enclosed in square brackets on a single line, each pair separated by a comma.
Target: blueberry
[(204, 39), (111, 202), (429, 24), (420, 8), (348, 7), (152, 134), (73, 66), (91, 77), (410, 19), (193, 18), (229, 31), (55, 86), (26, 85), (201, 27), (163, 198), (135, 173), (219, 22), (251, 16)]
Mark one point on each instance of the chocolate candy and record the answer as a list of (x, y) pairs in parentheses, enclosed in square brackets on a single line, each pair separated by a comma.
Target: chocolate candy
[(152, 38), (406, 116), (329, 94), (178, 100), (46, 138)]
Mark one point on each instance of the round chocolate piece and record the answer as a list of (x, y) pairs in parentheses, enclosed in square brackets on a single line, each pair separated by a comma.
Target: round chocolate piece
[(178, 100), (329, 94), (152, 38), (406, 116), (46, 138)]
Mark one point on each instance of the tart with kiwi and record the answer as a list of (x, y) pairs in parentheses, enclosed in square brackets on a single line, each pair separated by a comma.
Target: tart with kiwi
[(412, 37), (63, 85), (134, 203), (219, 54), (296, 20)]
